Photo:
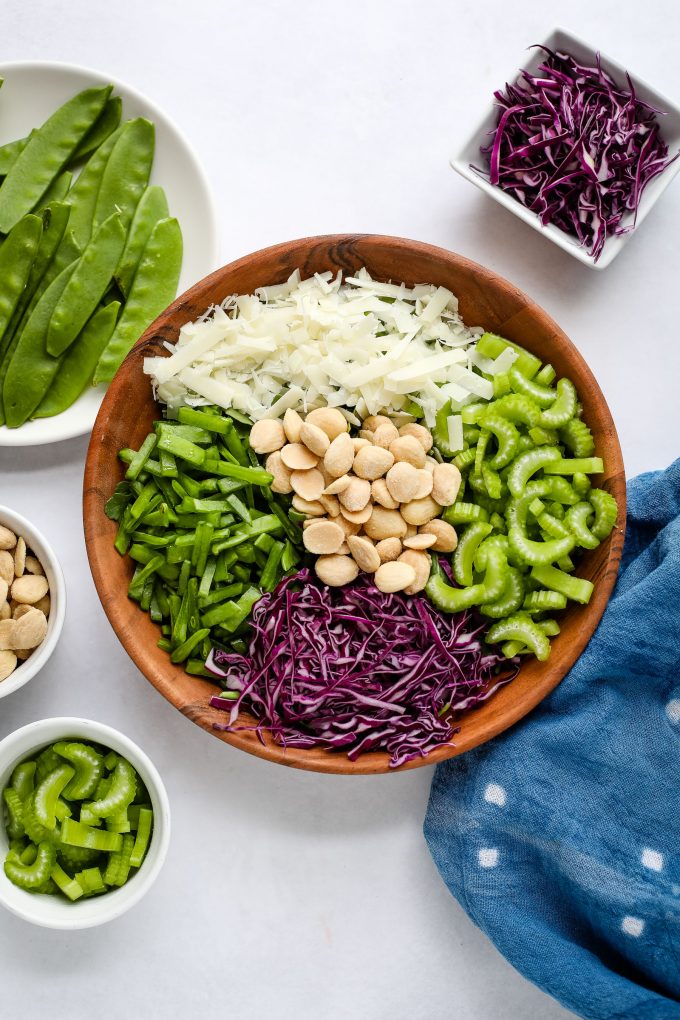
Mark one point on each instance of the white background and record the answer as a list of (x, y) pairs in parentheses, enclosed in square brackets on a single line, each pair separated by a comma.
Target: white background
[(289, 894)]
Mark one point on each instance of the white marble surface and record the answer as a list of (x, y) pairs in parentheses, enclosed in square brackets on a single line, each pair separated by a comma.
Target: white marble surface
[(287, 894)]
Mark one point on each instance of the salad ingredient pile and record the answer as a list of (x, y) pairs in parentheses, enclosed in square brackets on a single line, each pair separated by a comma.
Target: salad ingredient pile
[(24, 602), (86, 263), (366, 499), (357, 344), (78, 819), (352, 564), (577, 148), (356, 669), (207, 533)]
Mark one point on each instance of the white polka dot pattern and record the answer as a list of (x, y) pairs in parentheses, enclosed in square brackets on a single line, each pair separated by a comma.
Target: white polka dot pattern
[(651, 859), (488, 857), (495, 794), (633, 926)]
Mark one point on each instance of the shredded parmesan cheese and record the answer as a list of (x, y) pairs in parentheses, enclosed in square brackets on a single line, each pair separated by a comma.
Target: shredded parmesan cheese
[(360, 345)]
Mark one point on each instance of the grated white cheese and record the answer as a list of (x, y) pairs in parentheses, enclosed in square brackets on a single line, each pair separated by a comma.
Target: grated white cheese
[(356, 344)]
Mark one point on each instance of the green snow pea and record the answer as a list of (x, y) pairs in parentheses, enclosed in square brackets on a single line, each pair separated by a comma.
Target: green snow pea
[(105, 124), (56, 192), (153, 288), (126, 173), (75, 371), (54, 220), (83, 195), (16, 259), (46, 153), (152, 207), (9, 154), (32, 369), (31, 876), (86, 286)]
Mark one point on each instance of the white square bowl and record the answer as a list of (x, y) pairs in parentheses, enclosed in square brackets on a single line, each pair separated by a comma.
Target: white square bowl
[(469, 153)]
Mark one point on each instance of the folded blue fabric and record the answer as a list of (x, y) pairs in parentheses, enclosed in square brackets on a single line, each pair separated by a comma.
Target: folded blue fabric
[(561, 838)]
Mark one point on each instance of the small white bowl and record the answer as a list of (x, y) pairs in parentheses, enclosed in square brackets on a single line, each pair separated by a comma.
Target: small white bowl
[(39, 545), (54, 911), (562, 40)]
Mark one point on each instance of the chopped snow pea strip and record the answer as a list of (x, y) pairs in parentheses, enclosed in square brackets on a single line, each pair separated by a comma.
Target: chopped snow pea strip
[(527, 464), (69, 886), (544, 396), (32, 876), (139, 459), (506, 435), (580, 465), (520, 627), (466, 551), (606, 511), (578, 438), (541, 600), (141, 845), (77, 834), (563, 408), (576, 520), (578, 589), (121, 793), (88, 765), (48, 150)]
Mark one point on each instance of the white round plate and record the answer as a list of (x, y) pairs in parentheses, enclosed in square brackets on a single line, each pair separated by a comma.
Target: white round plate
[(32, 90)]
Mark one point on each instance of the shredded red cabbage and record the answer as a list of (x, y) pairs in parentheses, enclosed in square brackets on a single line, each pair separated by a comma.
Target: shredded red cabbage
[(355, 669), (576, 148)]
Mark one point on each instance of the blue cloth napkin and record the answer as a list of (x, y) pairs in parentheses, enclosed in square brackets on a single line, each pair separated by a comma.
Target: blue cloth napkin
[(561, 838)]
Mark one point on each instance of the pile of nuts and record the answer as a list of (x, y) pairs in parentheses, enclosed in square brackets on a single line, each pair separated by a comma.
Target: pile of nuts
[(372, 502), (24, 602)]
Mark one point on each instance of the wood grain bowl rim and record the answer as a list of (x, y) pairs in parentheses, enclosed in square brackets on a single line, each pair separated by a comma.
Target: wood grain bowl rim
[(102, 470)]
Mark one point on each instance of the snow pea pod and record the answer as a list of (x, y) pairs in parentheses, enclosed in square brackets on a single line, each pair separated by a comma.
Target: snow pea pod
[(16, 258), (127, 171), (153, 206), (105, 124), (46, 153), (56, 192), (55, 220), (153, 288), (79, 362), (83, 195), (86, 285), (32, 369), (9, 154)]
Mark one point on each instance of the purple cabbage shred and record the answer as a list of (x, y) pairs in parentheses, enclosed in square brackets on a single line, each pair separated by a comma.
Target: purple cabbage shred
[(576, 148), (357, 670)]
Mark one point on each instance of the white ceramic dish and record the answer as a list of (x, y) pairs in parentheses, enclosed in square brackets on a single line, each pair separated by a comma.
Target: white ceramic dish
[(55, 578), (55, 911), (469, 153), (31, 92)]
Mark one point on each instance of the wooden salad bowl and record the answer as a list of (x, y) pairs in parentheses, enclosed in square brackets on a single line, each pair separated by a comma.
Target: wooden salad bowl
[(129, 409)]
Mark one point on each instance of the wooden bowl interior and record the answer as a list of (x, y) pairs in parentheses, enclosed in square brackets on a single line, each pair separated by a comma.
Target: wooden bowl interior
[(129, 409)]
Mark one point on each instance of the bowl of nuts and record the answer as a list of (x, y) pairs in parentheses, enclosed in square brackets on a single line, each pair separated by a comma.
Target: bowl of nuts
[(32, 601)]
